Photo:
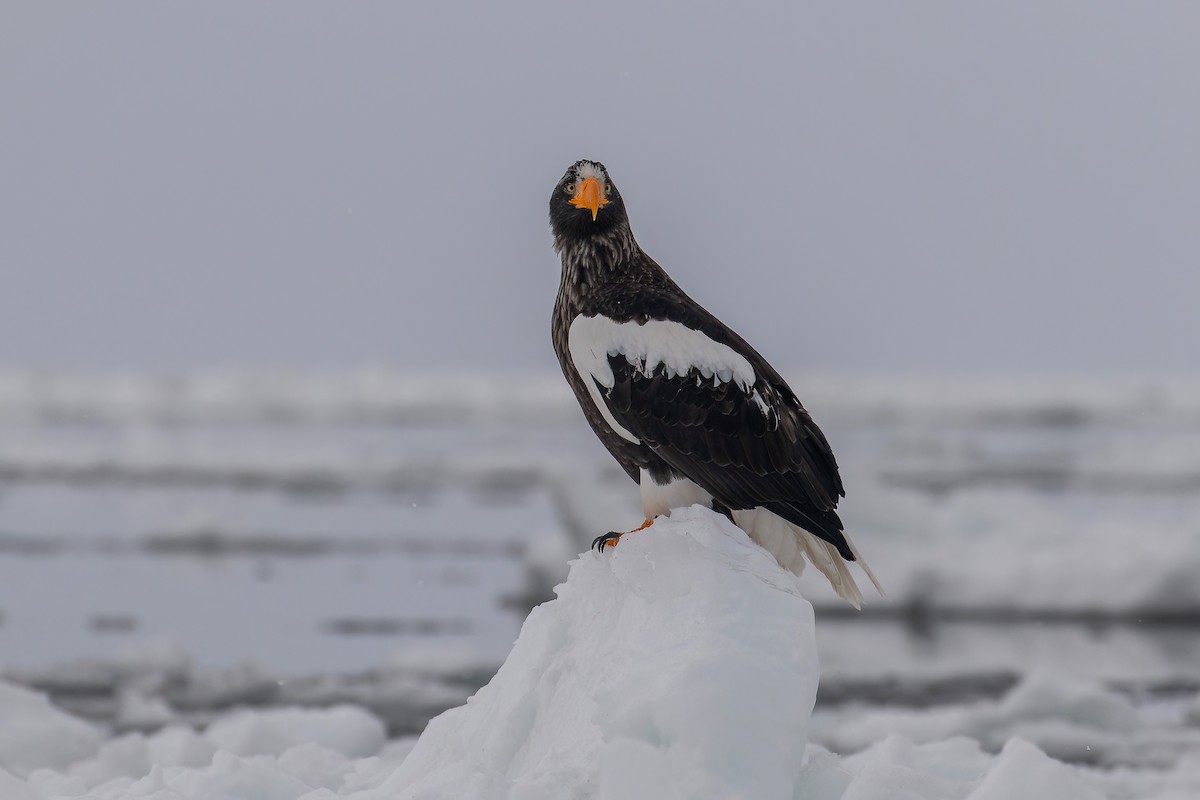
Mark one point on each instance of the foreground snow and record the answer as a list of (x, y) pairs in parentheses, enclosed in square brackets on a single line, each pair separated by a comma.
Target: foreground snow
[(680, 665)]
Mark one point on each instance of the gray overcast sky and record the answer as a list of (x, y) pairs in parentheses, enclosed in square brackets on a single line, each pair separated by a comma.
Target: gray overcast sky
[(878, 186)]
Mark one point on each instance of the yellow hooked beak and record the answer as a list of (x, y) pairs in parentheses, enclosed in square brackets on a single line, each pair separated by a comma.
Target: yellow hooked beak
[(590, 195)]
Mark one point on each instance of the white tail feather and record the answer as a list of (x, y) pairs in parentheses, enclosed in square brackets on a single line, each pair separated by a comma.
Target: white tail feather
[(792, 546), (862, 562)]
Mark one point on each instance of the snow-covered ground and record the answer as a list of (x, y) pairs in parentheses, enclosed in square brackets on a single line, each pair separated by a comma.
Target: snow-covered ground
[(243, 544), (682, 665)]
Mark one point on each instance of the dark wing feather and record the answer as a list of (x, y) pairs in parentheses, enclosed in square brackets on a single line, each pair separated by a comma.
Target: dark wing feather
[(716, 434)]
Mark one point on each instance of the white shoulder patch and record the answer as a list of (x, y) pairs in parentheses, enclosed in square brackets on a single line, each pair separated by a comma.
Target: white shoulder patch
[(680, 350)]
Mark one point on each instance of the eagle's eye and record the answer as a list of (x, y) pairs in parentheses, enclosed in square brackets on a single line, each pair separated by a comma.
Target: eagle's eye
[(608, 188), (570, 188)]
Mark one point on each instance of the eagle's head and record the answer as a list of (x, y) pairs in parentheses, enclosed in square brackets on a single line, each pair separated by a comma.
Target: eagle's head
[(585, 203)]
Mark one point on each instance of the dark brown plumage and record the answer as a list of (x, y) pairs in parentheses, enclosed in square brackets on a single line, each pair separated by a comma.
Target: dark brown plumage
[(747, 443)]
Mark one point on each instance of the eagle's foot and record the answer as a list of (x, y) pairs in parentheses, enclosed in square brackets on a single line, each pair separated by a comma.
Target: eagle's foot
[(611, 538), (605, 540)]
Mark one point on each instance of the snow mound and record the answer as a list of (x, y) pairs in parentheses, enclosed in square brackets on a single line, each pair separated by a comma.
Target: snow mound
[(613, 689), (34, 733), (957, 769), (344, 729), (1069, 719)]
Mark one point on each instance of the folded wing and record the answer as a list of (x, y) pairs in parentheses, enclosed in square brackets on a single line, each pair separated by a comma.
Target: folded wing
[(670, 375)]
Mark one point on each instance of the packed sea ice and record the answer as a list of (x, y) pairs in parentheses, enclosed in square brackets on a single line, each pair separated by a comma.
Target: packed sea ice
[(682, 664)]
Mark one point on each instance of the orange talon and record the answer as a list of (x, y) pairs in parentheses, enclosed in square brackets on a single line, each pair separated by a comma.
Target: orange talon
[(611, 538)]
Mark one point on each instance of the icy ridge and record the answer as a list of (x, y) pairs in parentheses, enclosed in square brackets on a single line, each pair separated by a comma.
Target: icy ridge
[(390, 396)]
